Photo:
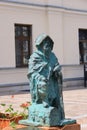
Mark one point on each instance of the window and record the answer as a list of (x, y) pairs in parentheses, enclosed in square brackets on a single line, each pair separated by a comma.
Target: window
[(83, 45), (22, 44)]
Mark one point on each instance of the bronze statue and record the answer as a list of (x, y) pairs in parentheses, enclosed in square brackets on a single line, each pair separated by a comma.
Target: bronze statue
[(45, 79)]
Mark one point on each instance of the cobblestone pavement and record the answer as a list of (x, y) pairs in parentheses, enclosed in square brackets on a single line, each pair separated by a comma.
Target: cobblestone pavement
[(75, 103)]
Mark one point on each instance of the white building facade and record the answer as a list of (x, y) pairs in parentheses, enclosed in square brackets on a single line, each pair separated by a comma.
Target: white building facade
[(21, 21)]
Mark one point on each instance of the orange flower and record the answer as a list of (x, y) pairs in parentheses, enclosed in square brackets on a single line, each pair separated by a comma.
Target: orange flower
[(25, 105)]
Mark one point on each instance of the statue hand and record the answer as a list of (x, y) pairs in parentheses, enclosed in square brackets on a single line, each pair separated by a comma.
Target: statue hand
[(57, 68), (56, 71), (42, 79), (58, 74), (42, 85), (42, 90)]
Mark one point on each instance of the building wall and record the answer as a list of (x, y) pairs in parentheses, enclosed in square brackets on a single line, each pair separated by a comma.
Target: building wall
[(10, 15), (61, 19)]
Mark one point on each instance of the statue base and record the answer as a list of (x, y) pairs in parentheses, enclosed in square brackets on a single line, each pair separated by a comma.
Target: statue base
[(66, 127), (41, 116)]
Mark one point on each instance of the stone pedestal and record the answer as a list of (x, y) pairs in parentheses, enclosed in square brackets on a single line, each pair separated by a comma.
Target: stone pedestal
[(41, 116), (66, 127)]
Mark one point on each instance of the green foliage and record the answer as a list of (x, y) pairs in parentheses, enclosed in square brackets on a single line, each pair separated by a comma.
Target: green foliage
[(2, 104), (12, 113), (13, 125), (9, 109)]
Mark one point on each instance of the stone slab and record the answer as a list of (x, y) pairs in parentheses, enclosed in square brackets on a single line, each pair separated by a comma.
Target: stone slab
[(66, 127)]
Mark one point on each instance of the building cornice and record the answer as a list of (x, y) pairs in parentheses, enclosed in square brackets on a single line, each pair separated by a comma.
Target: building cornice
[(44, 6)]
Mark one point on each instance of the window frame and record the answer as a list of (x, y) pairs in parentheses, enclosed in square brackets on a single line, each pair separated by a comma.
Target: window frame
[(83, 46), (21, 38)]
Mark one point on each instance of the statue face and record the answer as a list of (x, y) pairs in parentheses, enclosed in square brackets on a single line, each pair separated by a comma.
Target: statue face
[(47, 47)]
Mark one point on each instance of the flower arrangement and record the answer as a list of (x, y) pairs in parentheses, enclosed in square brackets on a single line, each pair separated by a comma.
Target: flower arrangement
[(25, 109), (11, 117), (11, 112)]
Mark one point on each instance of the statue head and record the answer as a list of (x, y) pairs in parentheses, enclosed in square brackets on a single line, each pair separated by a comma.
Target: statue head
[(44, 43)]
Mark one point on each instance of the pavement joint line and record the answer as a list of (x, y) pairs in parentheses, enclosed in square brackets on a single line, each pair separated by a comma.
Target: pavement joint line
[(79, 117), (75, 102)]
